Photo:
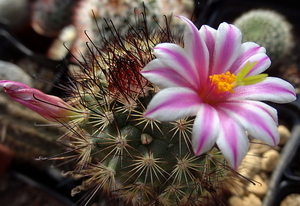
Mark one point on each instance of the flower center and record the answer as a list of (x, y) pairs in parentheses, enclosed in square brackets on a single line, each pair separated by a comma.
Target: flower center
[(226, 82), (223, 82)]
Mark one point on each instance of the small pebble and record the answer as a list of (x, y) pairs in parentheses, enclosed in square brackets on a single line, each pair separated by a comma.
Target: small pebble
[(259, 147), (269, 160), (291, 200), (252, 200), (284, 134), (236, 201), (259, 189), (237, 188), (250, 166)]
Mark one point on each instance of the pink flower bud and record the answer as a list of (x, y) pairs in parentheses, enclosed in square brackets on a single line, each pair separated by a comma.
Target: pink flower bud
[(50, 107)]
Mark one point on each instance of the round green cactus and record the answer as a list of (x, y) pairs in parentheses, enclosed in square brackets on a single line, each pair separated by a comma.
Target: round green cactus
[(268, 29)]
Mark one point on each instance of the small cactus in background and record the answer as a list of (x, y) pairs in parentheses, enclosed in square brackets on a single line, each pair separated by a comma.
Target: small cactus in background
[(50, 17), (64, 19), (267, 28), (87, 12)]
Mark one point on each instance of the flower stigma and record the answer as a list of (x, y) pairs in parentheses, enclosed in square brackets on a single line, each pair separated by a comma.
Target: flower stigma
[(242, 79)]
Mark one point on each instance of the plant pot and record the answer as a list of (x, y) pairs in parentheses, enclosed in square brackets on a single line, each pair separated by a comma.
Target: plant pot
[(285, 179)]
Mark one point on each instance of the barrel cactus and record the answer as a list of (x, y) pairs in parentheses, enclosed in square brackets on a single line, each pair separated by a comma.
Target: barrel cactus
[(128, 157), (267, 28)]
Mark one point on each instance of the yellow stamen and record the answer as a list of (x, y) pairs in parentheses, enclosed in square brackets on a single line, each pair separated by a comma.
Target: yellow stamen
[(223, 82), (226, 82)]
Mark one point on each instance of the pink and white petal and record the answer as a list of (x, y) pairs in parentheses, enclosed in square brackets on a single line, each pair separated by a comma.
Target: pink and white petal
[(175, 57), (271, 89), (266, 108), (205, 129), (31, 104), (227, 48), (30, 99), (13, 86), (263, 62), (208, 34), (196, 48), (232, 140), (255, 120), (48, 106), (173, 103), (164, 76), (251, 52), (26, 96)]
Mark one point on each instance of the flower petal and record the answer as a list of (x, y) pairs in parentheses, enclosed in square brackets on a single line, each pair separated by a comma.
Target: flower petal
[(29, 99), (173, 103), (263, 63), (13, 86), (232, 140), (164, 76), (196, 48), (271, 89), (251, 52), (175, 57), (205, 130), (48, 106), (208, 34), (227, 48), (256, 119)]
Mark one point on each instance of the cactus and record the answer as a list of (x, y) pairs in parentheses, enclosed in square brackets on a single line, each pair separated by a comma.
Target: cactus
[(50, 17), (86, 12), (130, 158), (267, 28), (135, 160)]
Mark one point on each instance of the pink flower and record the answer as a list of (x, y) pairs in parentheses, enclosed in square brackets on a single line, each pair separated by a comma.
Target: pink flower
[(50, 107), (217, 79)]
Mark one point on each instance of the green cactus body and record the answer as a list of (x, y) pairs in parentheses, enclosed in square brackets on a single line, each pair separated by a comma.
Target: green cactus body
[(123, 154), (268, 29)]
